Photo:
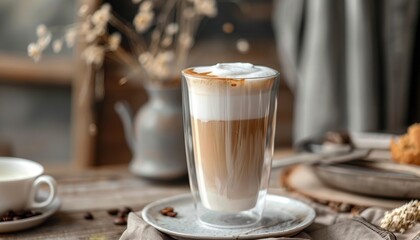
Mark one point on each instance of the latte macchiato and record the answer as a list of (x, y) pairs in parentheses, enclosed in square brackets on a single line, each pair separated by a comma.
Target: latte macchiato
[(230, 158), (229, 110)]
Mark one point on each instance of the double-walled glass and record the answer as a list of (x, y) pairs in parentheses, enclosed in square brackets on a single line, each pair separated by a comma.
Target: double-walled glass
[(229, 129)]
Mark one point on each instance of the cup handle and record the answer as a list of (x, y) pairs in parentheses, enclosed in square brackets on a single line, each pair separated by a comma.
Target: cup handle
[(53, 192)]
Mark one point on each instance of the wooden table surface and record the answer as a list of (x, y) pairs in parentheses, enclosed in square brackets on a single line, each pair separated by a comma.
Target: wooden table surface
[(98, 190)]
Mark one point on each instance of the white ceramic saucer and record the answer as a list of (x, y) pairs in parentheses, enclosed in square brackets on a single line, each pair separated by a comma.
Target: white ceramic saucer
[(13, 226), (283, 217)]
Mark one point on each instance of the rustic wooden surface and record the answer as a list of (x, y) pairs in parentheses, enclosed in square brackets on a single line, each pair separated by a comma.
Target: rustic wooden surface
[(98, 190), (302, 180)]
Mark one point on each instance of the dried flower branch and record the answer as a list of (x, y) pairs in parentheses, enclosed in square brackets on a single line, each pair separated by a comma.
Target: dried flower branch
[(403, 218), (144, 17), (172, 36)]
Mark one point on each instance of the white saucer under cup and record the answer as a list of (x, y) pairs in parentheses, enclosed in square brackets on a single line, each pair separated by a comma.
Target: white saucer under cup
[(22, 224), (282, 217)]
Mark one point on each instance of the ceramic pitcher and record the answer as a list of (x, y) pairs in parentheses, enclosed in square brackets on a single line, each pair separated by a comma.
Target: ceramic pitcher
[(155, 135)]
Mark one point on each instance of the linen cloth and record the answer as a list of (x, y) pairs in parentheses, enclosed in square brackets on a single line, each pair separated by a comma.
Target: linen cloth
[(328, 225)]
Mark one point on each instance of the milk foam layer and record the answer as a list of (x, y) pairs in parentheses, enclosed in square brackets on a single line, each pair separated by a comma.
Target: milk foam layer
[(236, 70), (230, 91), (228, 108)]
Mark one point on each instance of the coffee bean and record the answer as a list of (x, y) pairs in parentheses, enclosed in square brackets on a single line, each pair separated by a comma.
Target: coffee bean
[(120, 221), (171, 214), (126, 210), (34, 213), (88, 216), (122, 214), (28, 214), (18, 215), (7, 218), (113, 212), (166, 210), (9, 213)]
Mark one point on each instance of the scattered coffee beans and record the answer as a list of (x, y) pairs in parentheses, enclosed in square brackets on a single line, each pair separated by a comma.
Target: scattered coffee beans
[(121, 214), (120, 221), (168, 211), (171, 214), (113, 212), (126, 210), (88, 216), (14, 216)]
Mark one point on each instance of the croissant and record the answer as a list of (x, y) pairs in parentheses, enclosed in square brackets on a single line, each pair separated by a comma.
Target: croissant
[(406, 149)]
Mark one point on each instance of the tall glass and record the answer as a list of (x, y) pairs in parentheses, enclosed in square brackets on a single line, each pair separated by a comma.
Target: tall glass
[(229, 129)]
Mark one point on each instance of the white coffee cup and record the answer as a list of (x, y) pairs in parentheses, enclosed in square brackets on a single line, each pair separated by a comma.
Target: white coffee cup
[(20, 180)]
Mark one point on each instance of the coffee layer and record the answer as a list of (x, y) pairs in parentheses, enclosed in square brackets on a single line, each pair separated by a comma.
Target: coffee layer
[(229, 158)]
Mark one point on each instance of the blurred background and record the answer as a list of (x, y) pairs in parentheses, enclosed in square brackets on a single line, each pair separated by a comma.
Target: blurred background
[(35, 99), (346, 65)]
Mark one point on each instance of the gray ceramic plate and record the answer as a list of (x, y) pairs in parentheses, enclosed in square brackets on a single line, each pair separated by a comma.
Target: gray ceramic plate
[(22, 224), (284, 217), (367, 181)]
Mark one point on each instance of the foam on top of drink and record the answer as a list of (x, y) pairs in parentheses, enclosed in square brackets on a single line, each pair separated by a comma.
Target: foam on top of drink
[(236, 70), (229, 91)]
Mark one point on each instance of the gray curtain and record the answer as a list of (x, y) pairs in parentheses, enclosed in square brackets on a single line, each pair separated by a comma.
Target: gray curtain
[(352, 64)]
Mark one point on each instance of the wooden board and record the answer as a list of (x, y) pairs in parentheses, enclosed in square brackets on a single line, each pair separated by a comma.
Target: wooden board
[(302, 180)]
